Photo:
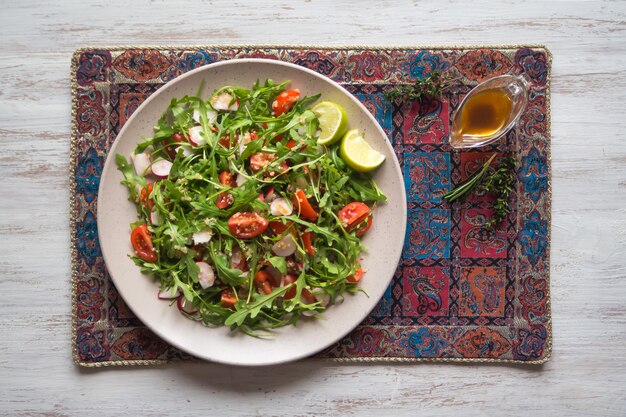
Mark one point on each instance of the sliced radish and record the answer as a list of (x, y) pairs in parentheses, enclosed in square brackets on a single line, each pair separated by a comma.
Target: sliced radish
[(211, 116), (243, 140), (281, 207), (206, 276), (285, 247), (222, 102), (185, 305), (202, 237), (168, 293), (187, 151), (141, 162), (240, 180), (196, 136), (270, 195), (301, 130), (161, 168), (323, 298), (155, 218), (236, 258)]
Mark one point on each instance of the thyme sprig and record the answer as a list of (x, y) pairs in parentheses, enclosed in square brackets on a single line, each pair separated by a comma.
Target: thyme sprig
[(431, 86), (499, 182)]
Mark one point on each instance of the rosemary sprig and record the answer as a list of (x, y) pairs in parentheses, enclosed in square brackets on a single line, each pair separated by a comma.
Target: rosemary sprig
[(431, 86), (470, 184), (499, 183)]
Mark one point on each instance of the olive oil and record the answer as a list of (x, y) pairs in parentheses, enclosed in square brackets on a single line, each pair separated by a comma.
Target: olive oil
[(485, 113)]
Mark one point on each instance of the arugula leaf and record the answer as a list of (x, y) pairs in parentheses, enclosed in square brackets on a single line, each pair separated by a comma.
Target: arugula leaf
[(254, 308), (279, 263)]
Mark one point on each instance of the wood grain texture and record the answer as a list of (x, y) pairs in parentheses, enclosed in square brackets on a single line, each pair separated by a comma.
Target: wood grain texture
[(587, 373)]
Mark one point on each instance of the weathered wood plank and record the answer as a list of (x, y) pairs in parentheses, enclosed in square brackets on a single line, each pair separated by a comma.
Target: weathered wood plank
[(587, 375)]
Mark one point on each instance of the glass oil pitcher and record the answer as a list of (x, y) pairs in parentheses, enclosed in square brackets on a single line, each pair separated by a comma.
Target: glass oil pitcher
[(489, 111)]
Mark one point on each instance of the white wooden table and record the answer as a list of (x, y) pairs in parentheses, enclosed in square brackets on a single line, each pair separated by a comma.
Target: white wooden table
[(587, 373)]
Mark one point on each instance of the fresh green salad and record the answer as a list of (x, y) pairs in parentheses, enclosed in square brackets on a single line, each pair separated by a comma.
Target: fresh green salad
[(252, 205)]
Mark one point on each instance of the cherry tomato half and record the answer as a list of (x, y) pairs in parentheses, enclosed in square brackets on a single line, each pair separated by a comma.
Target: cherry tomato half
[(307, 239), (307, 296), (263, 281), (279, 227), (144, 196), (246, 224), (353, 214), (291, 292), (142, 243), (260, 160), (170, 146), (356, 277), (285, 101), (224, 200), (226, 178), (227, 298), (363, 227), (304, 208), (226, 142)]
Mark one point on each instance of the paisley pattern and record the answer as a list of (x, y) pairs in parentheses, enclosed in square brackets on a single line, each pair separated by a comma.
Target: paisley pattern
[(482, 291), (425, 291), (367, 66), (427, 122), (141, 64), (92, 67), (460, 291), (482, 343), (478, 65), (138, 344), (423, 63)]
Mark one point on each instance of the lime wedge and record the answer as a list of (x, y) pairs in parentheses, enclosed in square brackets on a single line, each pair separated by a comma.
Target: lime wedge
[(358, 154), (333, 122)]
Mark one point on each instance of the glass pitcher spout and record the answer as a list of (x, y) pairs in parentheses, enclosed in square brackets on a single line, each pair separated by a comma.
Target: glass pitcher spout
[(489, 111)]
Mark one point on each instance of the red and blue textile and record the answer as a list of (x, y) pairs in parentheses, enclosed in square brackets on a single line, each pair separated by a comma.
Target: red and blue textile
[(460, 292)]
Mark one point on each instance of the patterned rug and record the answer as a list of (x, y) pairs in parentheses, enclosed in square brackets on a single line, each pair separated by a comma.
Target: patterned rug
[(461, 292)]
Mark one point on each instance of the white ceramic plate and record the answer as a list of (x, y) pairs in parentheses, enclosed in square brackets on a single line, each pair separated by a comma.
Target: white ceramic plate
[(384, 241)]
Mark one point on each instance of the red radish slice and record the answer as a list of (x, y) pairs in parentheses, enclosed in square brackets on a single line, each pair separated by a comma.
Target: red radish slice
[(323, 298), (280, 207), (155, 218), (240, 180), (222, 102), (285, 247), (202, 237), (196, 136), (270, 195), (211, 116), (243, 140), (141, 162), (185, 305), (206, 276), (236, 258), (161, 168), (187, 151), (169, 293)]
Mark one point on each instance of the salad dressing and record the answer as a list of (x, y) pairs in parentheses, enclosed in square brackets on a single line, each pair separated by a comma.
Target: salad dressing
[(489, 111), (485, 113)]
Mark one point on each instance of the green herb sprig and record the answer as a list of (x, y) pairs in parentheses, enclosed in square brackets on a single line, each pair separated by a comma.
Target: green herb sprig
[(431, 86), (500, 183)]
